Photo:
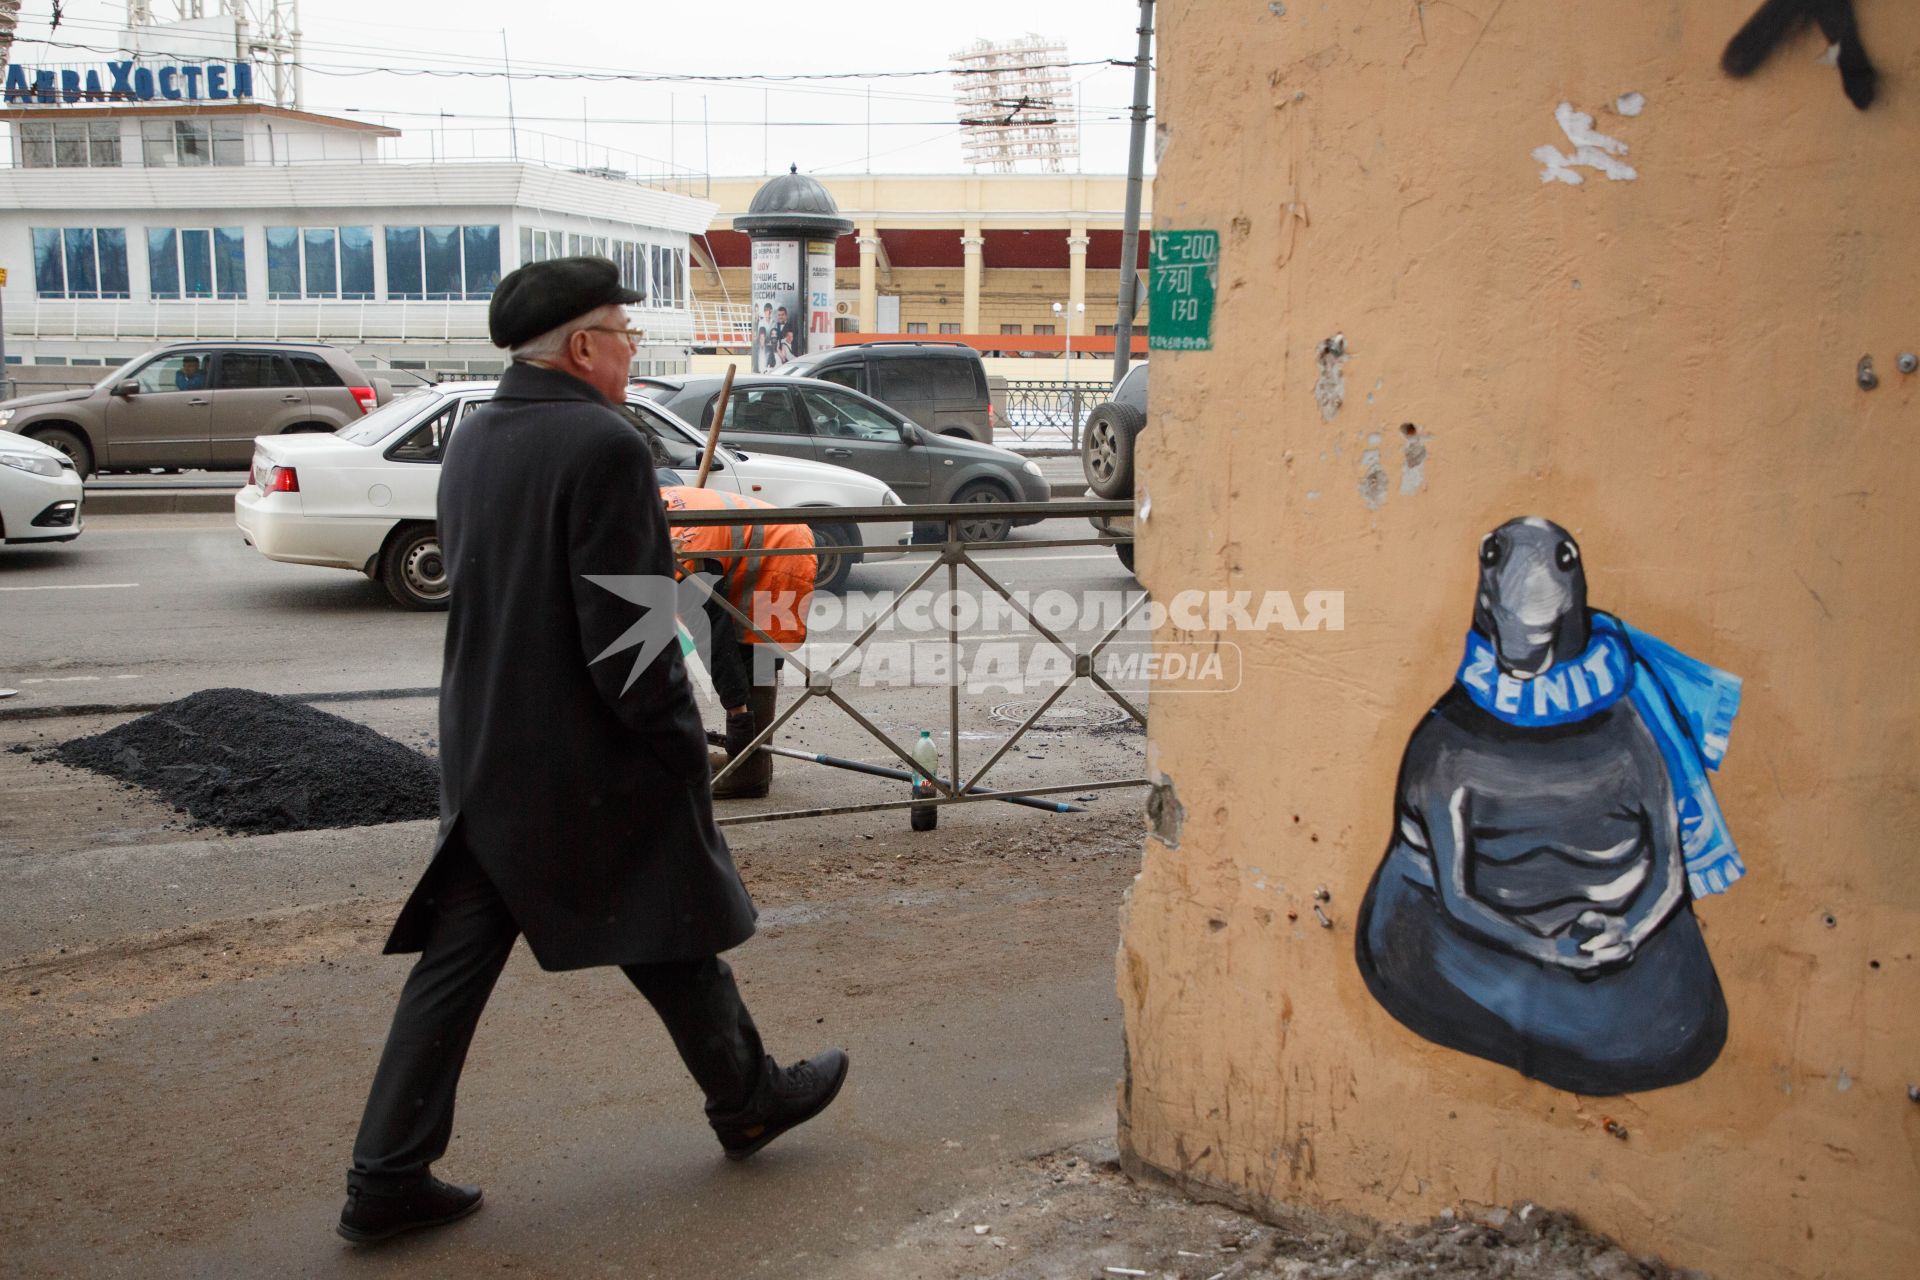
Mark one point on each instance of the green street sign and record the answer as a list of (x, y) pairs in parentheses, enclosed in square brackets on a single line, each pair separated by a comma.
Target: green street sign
[(1185, 269)]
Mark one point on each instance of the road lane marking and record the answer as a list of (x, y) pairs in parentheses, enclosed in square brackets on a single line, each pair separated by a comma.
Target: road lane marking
[(73, 679), (79, 586)]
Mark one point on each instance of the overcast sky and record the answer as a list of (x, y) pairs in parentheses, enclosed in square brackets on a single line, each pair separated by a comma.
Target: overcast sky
[(750, 128)]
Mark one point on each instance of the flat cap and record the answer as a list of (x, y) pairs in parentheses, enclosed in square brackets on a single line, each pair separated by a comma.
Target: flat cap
[(545, 295)]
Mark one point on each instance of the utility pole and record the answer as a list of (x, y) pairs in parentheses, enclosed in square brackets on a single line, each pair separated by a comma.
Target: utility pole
[(513, 126), (1130, 234)]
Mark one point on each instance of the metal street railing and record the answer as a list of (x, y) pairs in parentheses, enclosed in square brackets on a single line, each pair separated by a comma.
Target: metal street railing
[(322, 321), (952, 554), (1041, 413)]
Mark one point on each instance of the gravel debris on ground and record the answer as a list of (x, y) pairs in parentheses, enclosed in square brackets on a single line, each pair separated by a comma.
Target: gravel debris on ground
[(253, 763), (1073, 1213)]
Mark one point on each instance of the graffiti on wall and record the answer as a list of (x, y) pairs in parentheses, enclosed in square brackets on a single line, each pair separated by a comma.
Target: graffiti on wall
[(1775, 20), (1553, 824)]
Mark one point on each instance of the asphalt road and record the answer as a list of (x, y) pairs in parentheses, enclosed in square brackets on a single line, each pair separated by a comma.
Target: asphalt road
[(144, 609)]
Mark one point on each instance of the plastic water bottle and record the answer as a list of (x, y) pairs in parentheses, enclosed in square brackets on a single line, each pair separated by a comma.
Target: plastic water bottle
[(926, 759)]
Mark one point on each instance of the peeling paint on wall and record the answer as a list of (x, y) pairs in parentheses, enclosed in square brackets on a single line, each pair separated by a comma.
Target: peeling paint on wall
[(1591, 149), (1373, 480), (1413, 457), (1330, 389), (1165, 812)]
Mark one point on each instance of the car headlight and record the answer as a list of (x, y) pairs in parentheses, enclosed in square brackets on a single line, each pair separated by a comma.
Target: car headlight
[(1032, 468), (891, 499), (32, 462), (6, 416)]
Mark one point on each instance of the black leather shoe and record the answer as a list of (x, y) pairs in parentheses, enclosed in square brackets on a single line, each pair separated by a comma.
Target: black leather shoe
[(791, 1096), (371, 1216)]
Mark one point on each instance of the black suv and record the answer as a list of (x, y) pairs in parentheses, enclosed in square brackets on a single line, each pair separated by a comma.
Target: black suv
[(942, 386)]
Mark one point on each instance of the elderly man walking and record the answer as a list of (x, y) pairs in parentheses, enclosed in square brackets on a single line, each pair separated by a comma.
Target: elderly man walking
[(574, 803)]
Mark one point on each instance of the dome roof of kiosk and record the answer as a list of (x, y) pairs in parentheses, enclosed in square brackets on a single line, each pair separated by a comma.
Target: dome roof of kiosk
[(796, 202)]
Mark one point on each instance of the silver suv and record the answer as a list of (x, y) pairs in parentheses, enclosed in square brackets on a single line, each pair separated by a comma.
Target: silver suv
[(197, 405)]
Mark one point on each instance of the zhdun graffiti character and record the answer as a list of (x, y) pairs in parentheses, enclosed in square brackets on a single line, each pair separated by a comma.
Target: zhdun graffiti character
[(1552, 824)]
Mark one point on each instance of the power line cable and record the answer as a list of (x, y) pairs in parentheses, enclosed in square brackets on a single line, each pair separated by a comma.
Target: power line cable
[(485, 63), (815, 83), (610, 76)]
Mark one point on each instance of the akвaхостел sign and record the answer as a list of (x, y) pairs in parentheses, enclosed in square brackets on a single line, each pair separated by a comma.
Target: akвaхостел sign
[(129, 82)]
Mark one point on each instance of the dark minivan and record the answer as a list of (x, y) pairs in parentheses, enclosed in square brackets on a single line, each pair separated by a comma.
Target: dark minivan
[(942, 386)]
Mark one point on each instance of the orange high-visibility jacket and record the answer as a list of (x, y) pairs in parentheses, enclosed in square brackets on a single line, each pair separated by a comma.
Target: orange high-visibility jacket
[(772, 590)]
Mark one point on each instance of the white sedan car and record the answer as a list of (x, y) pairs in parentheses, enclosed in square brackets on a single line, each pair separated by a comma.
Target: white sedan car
[(367, 497), (40, 492)]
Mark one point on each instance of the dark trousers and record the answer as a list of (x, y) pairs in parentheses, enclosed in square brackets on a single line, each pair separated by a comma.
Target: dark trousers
[(735, 665), (409, 1115)]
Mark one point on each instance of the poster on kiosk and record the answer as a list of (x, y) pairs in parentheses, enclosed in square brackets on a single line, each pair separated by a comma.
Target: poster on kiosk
[(778, 318), (819, 296)]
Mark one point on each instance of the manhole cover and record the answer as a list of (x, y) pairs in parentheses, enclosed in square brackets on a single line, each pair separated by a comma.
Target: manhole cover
[(1062, 715)]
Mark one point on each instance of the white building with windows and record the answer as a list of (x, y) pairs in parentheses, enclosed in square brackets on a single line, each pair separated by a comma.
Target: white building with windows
[(127, 222)]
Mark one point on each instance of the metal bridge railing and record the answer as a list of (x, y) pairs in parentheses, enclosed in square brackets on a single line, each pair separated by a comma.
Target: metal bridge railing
[(952, 554)]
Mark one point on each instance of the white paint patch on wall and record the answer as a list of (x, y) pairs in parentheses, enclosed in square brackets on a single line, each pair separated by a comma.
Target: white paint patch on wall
[(1591, 149), (1630, 104)]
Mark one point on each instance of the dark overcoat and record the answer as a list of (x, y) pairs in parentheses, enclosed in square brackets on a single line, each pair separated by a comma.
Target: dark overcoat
[(579, 785)]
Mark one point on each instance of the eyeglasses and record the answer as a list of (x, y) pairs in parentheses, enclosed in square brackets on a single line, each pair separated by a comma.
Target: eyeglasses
[(635, 336)]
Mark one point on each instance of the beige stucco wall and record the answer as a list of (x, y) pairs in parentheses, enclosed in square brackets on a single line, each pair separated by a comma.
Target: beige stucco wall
[(1666, 366)]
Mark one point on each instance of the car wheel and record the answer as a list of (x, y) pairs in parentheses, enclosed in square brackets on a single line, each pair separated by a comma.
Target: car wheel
[(308, 429), (1125, 551), (414, 572), (1106, 450), (983, 527), (832, 572), (69, 442)]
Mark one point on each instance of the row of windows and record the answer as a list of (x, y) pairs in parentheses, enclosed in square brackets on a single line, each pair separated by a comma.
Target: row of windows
[(424, 263), (95, 144), (196, 262), (655, 271), (442, 262)]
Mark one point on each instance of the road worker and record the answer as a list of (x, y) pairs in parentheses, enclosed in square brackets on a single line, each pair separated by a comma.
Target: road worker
[(772, 590)]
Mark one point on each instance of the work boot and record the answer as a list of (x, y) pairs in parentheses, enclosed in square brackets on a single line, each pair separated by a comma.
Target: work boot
[(787, 1097), (370, 1216), (740, 732), (754, 777)]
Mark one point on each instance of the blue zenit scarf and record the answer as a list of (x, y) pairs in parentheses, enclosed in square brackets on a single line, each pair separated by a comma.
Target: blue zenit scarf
[(1686, 704)]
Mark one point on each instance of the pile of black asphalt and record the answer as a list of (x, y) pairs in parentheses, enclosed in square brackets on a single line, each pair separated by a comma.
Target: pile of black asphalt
[(252, 763)]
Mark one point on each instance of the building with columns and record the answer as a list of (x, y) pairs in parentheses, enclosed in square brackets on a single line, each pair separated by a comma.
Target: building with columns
[(1028, 258)]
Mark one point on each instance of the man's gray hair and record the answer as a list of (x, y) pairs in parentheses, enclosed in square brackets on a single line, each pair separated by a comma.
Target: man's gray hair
[(549, 345)]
